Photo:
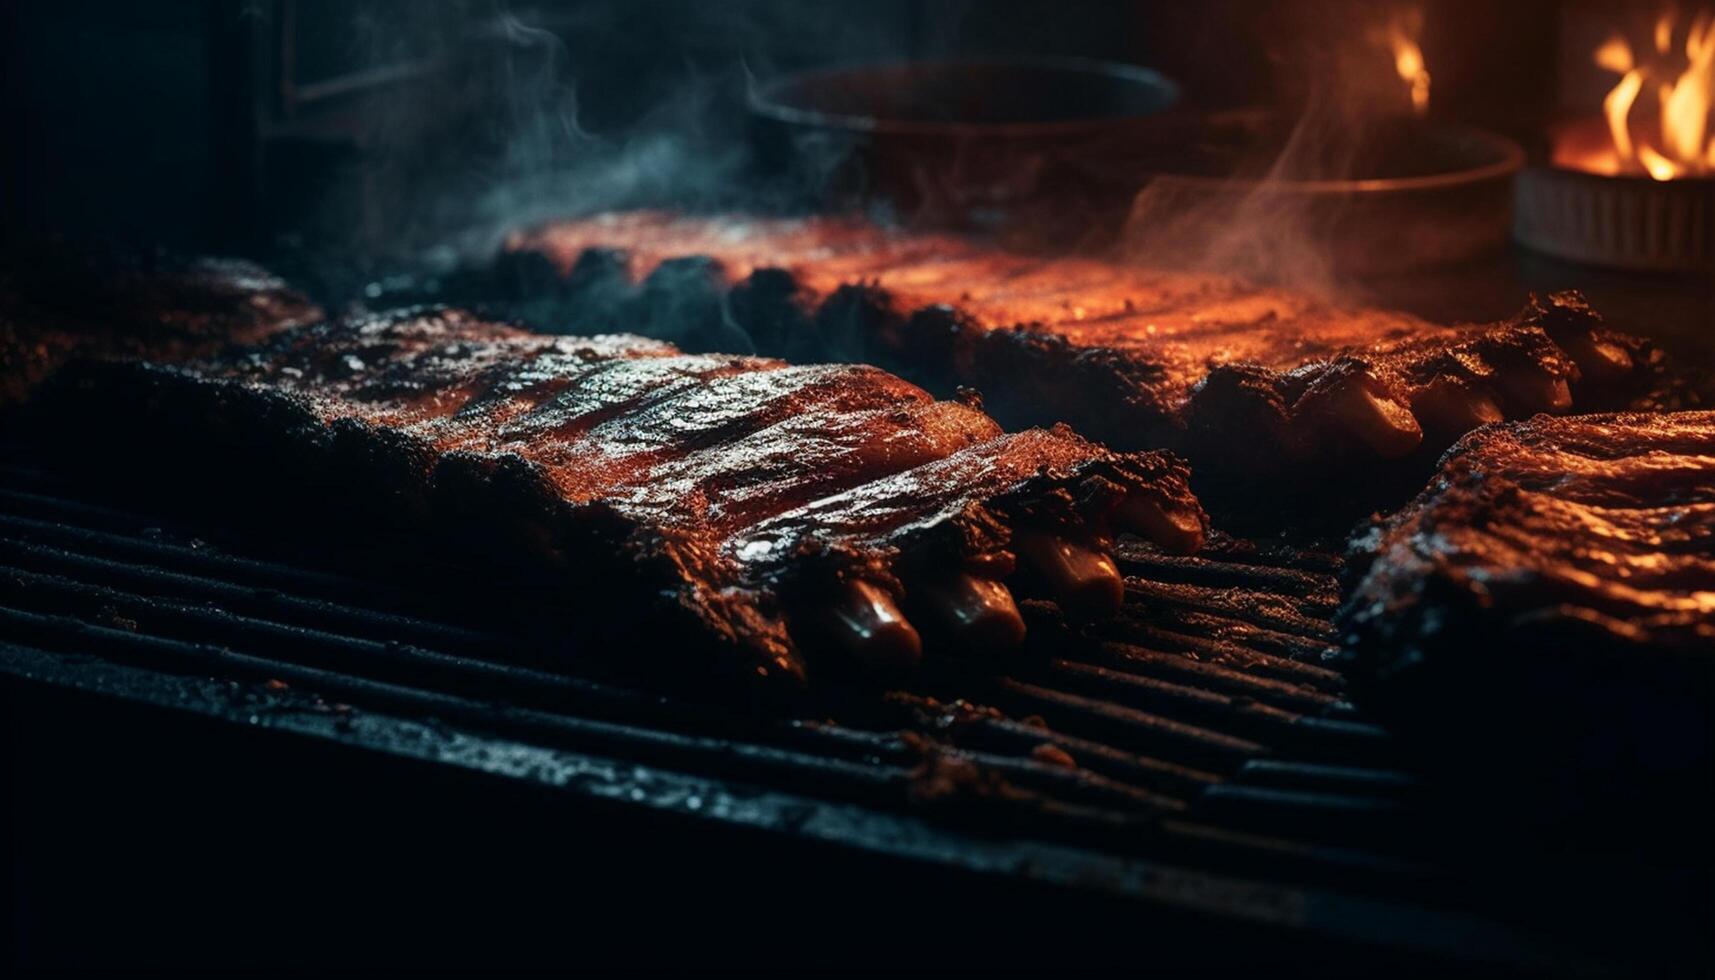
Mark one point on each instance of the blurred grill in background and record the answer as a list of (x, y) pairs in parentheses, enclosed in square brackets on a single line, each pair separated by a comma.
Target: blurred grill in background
[(405, 137)]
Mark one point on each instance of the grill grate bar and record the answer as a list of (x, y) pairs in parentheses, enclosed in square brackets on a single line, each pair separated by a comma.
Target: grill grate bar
[(1316, 592), (155, 549), (1199, 746), (1195, 850), (80, 580), (1194, 621), (1226, 653), (1068, 783), (387, 659), (264, 600), (529, 685), (1261, 609), (964, 726), (1291, 774), (1175, 700), (212, 623), (709, 754), (1132, 827), (1304, 698)]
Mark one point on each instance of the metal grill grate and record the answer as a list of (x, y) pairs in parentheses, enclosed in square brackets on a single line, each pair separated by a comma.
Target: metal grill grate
[(1196, 752)]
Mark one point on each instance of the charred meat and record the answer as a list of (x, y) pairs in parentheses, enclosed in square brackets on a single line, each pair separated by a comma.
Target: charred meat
[(789, 511), (59, 300), (1552, 592), (1240, 378)]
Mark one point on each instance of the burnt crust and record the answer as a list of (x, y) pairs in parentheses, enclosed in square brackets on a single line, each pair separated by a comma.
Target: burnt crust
[(60, 300), (1604, 519), (1211, 368), (1542, 617), (481, 438)]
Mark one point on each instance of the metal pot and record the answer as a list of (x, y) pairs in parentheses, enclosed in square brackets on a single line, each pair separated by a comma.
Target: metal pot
[(1039, 145), (1413, 195)]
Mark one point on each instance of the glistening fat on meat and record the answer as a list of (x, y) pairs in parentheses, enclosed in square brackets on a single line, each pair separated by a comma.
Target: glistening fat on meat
[(789, 511), (1250, 380), (1544, 612)]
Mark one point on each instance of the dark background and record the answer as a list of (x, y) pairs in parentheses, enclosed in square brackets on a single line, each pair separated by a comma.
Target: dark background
[(225, 124), (372, 135)]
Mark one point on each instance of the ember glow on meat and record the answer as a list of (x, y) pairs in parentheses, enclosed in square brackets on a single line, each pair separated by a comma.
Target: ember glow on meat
[(1605, 519), (1554, 587), (790, 511), (59, 301), (1237, 377)]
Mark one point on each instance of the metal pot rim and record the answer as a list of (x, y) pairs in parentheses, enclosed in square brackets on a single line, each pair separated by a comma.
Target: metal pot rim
[(766, 99), (1509, 159)]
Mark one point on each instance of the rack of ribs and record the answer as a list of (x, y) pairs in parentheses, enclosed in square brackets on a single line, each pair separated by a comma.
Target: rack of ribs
[(1552, 589), (1241, 379), (804, 517), (59, 301)]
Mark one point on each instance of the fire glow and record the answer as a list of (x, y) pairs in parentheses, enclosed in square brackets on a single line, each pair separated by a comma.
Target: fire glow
[(1657, 115), (1408, 62), (1398, 38)]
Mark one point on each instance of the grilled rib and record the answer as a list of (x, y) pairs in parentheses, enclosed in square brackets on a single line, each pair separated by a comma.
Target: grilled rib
[(1563, 568), (1239, 378), (59, 301), (1604, 519), (782, 509)]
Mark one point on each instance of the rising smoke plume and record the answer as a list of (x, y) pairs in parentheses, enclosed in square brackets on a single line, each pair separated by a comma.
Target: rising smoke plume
[(1267, 211)]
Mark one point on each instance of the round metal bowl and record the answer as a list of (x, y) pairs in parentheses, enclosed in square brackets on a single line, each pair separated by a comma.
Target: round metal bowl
[(964, 143), (1620, 221), (1421, 195)]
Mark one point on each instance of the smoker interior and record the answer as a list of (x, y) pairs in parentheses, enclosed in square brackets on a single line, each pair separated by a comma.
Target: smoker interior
[(227, 745), (258, 753)]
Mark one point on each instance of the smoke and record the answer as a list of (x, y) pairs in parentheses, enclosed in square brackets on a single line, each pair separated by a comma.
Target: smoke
[(685, 152), (515, 115), (510, 114), (494, 116), (1257, 211), (491, 135)]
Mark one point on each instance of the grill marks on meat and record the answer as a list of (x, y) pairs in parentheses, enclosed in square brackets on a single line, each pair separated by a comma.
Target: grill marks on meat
[(1563, 566), (1239, 377), (1606, 519), (780, 507)]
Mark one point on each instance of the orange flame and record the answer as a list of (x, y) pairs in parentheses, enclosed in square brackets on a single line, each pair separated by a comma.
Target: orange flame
[(1683, 141), (1408, 62), (1618, 106)]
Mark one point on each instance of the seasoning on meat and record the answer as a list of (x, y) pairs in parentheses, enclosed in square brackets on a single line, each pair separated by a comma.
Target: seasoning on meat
[(1237, 377), (1552, 594), (59, 301), (788, 510)]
